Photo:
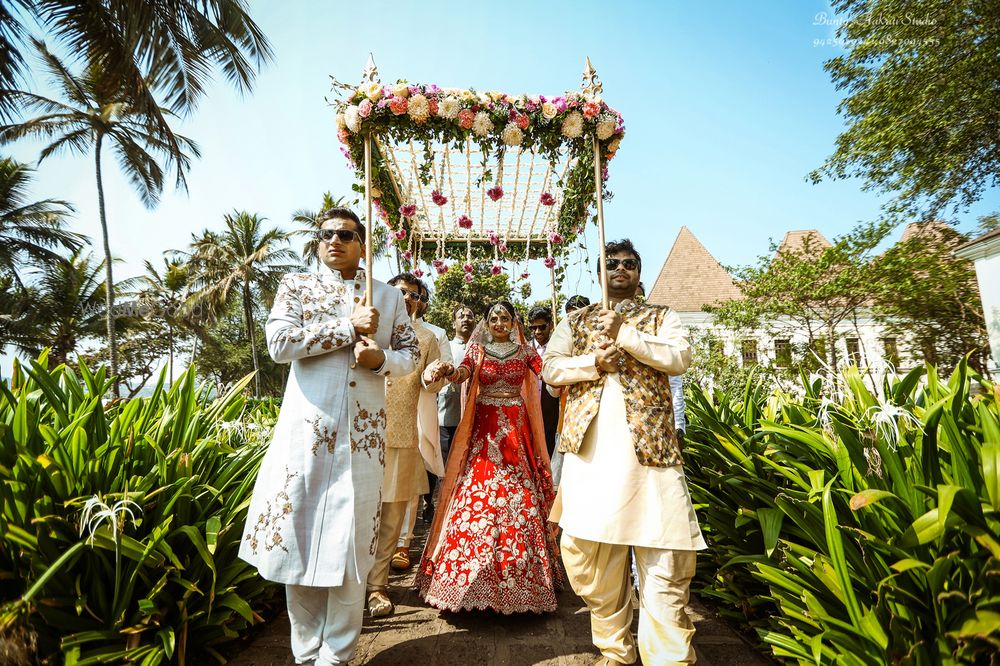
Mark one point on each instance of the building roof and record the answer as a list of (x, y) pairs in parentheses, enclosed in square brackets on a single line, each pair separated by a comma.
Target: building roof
[(981, 247), (691, 277), (796, 241), (929, 230)]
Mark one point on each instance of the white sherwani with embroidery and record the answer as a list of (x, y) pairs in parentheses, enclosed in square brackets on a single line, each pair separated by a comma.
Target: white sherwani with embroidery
[(313, 516)]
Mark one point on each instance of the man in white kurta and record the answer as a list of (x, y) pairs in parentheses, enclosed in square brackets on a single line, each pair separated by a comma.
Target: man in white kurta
[(622, 480), (313, 515), (430, 438)]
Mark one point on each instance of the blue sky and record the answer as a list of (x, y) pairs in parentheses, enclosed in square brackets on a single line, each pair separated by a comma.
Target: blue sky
[(726, 104)]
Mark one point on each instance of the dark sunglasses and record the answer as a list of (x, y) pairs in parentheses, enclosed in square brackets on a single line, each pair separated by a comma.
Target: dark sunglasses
[(538, 327), (627, 264), (343, 235), (414, 296)]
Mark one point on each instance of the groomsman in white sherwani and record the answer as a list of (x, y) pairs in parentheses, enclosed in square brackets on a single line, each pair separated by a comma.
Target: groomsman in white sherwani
[(623, 481), (313, 518)]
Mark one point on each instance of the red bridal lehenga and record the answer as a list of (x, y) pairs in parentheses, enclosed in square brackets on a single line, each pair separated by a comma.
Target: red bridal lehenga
[(491, 547)]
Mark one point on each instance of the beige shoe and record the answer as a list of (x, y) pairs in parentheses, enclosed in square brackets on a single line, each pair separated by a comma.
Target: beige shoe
[(400, 559), (379, 605)]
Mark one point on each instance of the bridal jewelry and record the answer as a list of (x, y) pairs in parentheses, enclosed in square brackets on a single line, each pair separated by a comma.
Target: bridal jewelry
[(502, 350)]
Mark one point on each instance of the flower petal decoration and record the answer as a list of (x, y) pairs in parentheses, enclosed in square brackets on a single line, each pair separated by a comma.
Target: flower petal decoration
[(546, 199), (438, 198), (495, 193), (465, 222)]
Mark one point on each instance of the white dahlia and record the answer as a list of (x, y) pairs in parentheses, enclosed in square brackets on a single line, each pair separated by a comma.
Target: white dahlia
[(481, 124), (512, 135), (572, 126), (605, 128), (449, 107), (419, 109)]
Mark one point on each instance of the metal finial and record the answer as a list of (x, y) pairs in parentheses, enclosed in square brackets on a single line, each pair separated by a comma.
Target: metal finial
[(592, 85), (370, 74)]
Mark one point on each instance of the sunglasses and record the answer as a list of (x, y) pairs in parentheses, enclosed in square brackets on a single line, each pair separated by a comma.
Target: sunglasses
[(627, 264), (343, 235), (538, 327), (414, 296)]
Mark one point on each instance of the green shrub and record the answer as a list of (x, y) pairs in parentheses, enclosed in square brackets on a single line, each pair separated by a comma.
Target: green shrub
[(854, 529), (121, 523)]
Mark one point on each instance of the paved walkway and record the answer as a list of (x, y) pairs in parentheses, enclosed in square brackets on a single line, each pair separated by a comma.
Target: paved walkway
[(423, 636)]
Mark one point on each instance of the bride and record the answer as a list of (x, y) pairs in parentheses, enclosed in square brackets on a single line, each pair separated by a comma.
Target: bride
[(490, 547)]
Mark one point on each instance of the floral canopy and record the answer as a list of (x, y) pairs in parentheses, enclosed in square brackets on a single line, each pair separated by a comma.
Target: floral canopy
[(458, 173)]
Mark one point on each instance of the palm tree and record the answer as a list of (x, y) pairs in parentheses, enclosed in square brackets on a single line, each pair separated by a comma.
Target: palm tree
[(244, 259), (169, 48), (167, 292), (97, 111), (30, 231), (69, 307)]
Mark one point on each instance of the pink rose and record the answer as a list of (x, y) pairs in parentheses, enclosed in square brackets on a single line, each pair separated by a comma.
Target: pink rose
[(468, 268), (466, 118), (546, 199), (524, 276), (503, 247), (418, 272), (495, 269), (555, 238), (408, 210), (522, 120), (407, 255), (591, 109), (550, 262), (365, 108), (400, 235), (495, 193), (493, 237), (432, 104), (398, 105), (441, 268), (438, 198), (468, 277), (465, 222), (343, 135)]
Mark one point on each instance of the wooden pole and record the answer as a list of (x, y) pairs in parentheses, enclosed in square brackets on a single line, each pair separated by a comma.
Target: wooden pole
[(369, 222), (555, 309), (599, 193)]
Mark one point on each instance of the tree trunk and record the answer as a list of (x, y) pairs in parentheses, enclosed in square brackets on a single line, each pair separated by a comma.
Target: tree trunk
[(170, 344), (833, 348), (248, 315), (109, 284)]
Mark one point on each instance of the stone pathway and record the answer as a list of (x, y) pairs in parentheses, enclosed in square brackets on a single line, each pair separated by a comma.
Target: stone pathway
[(419, 635)]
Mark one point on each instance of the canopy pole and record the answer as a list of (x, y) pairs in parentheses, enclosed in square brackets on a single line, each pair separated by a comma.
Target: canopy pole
[(368, 221), (592, 88), (555, 310), (370, 75)]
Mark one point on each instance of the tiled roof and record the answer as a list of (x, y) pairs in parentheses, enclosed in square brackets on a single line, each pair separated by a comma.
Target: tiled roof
[(795, 241), (691, 277)]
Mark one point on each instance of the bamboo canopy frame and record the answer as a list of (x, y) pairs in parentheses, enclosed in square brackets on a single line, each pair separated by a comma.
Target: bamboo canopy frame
[(458, 192)]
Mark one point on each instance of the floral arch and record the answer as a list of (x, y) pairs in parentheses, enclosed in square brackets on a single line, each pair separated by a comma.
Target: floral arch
[(465, 175)]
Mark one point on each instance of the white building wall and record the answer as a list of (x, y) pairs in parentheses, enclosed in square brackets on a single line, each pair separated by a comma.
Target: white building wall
[(988, 276)]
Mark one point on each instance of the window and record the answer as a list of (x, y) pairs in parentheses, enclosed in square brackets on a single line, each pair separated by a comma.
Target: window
[(782, 352), (854, 350), (748, 350), (891, 351)]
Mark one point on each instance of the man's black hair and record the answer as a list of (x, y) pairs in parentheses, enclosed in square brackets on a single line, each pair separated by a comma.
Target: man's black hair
[(341, 213), (576, 302), (540, 312), (410, 279), (618, 247)]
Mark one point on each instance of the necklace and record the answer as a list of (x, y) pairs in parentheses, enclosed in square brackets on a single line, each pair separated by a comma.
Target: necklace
[(502, 350)]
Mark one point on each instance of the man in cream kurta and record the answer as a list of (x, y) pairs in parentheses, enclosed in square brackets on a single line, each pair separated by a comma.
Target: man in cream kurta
[(622, 480), (313, 515), (405, 476)]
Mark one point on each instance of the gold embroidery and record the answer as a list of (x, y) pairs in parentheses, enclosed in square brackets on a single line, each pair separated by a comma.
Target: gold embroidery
[(369, 426), (326, 436), (269, 521)]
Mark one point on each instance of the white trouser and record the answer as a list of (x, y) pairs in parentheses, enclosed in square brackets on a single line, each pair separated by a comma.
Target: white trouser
[(409, 522), (326, 621), (599, 573)]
